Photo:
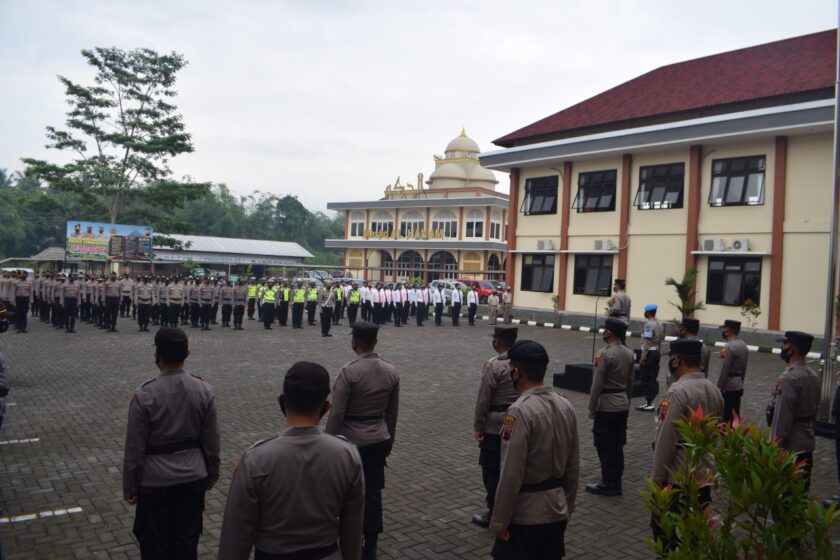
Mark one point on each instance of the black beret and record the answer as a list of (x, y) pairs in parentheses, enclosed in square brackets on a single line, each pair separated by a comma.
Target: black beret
[(687, 347), (527, 352), (312, 377), (731, 324), (170, 336), (615, 326), (364, 330), (691, 325), (506, 332), (798, 338)]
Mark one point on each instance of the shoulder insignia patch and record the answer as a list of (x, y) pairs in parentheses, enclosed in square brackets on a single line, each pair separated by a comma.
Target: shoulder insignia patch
[(597, 359), (507, 427), (663, 409), (777, 390)]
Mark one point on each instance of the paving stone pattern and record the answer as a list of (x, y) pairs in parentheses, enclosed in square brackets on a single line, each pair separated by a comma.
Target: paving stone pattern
[(72, 391)]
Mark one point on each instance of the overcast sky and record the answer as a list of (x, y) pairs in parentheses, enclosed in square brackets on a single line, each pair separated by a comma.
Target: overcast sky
[(332, 100)]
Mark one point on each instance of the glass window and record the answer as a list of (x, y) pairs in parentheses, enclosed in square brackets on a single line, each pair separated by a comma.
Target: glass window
[(596, 191), (411, 224), (733, 280), (593, 274), (474, 225), (382, 222), (540, 196), (660, 187), (737, 181), (537, 273), (446, 222)]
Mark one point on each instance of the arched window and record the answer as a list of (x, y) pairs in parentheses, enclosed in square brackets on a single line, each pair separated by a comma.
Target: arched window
[(445, 222), (442, 265), (474, 226), (387, 263), (412, 224), (493, 264), (382, 222), (496, 225), (410, 265), (357, 224)]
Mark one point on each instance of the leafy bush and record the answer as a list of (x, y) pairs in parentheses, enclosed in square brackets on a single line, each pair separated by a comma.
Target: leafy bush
[(760, 508)]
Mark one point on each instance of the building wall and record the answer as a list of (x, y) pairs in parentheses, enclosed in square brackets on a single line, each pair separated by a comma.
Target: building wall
[(656, 239)]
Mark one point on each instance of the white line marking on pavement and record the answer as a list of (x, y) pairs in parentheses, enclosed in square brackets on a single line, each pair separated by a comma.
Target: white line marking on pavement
[(13, 441), (40, 515)]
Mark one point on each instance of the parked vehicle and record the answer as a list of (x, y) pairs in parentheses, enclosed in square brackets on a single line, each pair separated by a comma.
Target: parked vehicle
[(483, 287), (448, 286)]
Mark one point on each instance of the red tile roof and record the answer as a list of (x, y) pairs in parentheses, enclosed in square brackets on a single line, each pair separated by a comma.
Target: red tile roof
[(791, 66)]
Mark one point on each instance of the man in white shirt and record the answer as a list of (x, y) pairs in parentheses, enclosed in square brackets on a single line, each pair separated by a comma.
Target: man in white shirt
[(472, 304), (399, 303), (406, 306), (376, 296), (457, 300)]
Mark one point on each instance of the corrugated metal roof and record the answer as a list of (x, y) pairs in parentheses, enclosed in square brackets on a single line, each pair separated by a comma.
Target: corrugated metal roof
[(204, 244)]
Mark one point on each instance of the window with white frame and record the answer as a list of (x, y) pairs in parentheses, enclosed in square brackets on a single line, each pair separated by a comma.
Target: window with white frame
[(474, 226), (496, 225), (446, 222), (382, 222), (411, 224), (357, 224), (737, 181)]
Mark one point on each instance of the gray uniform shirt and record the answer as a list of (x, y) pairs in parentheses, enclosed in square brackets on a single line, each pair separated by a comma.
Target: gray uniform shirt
[(620, 306), (175, 294), (144, 294), (797, 399), (173, 407), (112, 289), (226, 295), (692, 390), (651, 336), (207, 294), (495, 391), (303, 489), (613, 372), (326, 298), (734, 366), (366, 387), (240, 295), (539, 441)]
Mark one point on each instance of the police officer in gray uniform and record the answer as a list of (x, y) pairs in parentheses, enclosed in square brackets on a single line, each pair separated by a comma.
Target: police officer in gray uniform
[(171, 453), (540, 463), (300, 494), (688, 331), (495, 395), (365, 404), (730, 380), (609, 404), (690, 390), (619, 306), (796, 400), (649, 360)]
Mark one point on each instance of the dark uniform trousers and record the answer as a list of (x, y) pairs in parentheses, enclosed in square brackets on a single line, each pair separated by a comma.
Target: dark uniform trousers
[(490, 459), (731, 401), (438, 313), (268, 314), (227, 309), (174, 314), (70, 310), (252, 302), (406, 308), (206, 313), (366, 311), (473, 308), (125, 306), (398, 314), (143, 314), (112, 308), (326, 319), (238, 314), (610, 431), (22, 311), (649, 374), (545, 541), (352, 311), (373, 464), (456, 314), (310, 311), (168, 521), (195, 313), (283, 313), (418, 314), (297, 315), (377, 313)]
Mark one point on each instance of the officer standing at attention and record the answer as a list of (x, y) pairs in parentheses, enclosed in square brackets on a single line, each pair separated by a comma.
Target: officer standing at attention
[(240, 298), (688, 331), (326, 299), (252, 297), (492, 307), (495, 395), (540, 463), (226, 299), (507, 306), (649, 361), (298, 300), (457, 299), (311, 303), (796, 401), (609, 404), (353, 300), (207, 296), (364, 410), (283, 298), (472, 305), (269, 302), (730, 379), (171, 453), (144, 298), (619, 306), (300, 494), (690, 390), (437, 301), (112, 302)]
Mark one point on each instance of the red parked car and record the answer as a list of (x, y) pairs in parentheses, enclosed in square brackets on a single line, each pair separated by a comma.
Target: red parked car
[(483, 287)]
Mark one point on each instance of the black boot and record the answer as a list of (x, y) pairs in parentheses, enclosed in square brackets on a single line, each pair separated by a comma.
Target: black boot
[(369, 546)]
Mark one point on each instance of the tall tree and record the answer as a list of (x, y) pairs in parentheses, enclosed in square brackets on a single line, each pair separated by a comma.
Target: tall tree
[(122, 130)]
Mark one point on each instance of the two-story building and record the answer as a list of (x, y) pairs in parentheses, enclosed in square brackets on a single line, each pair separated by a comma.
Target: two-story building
[(722, 164), (453, 226)]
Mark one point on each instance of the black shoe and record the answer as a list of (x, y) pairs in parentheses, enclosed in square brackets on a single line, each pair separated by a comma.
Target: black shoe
[(481, 520), (602, 489), (326, 335), (112, 330)]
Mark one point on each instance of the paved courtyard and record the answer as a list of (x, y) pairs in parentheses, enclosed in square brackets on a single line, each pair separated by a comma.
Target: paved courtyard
[(71, 393)]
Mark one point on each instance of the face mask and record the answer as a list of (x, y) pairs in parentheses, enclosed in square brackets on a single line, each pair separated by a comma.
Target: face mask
[(671, 367), (785, 355), (723, 335), (605, 336)]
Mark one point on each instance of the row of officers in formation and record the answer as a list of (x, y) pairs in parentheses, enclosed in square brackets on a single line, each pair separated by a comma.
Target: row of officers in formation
[(307, 494), (62, 299)]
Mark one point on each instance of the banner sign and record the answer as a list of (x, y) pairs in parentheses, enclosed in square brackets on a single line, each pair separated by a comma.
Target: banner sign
[(94, 241)]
